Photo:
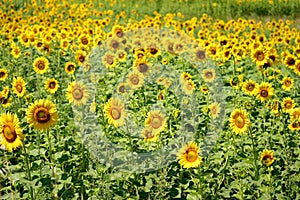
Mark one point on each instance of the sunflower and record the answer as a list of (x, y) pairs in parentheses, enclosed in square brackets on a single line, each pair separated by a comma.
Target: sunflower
[(143, 67), (153, 51), (115, 112), (51, 85), (70, 68), (267, 157), (287, 83), (259, 56), (6, 102), (19, 86), (42, 114), (121, 55), (199, 54), (156, 121), (296, 69), (166, 82), (118, 31), (109, 60), (290, 61), (288, 104), (84, 40), (3, 74), (188, 156), (64, 44), (209, 75), (295, 114), (40, 65), (204, 89), (77, 93), (294, 125), (236, 81), (185, 76), (114, 44), (249, 87), (188, 87), (264, 91), (10, 132), (15, 51), (80, 56), (239, 121), (122, 88), (4, 93), (215, 109), (135, 80), (148, 135), (275, 106)]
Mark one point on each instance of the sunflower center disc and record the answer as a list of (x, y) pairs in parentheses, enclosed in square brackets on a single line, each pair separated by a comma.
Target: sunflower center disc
[(287, 83), (77, 93), (208, 75), (115, 113), (250, 88), (41, 66), (42, 115), (260, 57), (19, 88), (264, 93), (52, 85), (143, 67), (134, 80), (71, 68), (191, 156), (288, 105), (84, 41), (240, 122), (156, 122), (149, 135), (109, 60), (9, 133)]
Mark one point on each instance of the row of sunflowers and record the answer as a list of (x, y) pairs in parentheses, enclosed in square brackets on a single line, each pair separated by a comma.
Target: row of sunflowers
[(97, 104)]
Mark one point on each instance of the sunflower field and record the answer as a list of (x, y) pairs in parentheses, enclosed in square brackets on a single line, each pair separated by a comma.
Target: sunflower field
[(150, 99)]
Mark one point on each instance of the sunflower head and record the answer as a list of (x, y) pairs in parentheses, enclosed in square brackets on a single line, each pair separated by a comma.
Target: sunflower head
[(51, 85), (209, 75), (19, 86), (267, 157), (70, 68), (249, 87), (135, 79), (204, 89), (215, 110), (77, 93), (156, 121), (287, 83), (188, 87), (264, 91), (115, 112), (3, 74), (288, 104), (239, 121), (149, 135), (188, 156), (10, 132), (42, 114), (40, 65)]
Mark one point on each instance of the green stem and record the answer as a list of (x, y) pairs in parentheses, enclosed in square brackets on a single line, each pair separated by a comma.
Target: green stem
[(28, 172), (51, 162), (255, 156)]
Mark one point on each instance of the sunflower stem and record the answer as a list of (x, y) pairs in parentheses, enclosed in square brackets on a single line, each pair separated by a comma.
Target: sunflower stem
[(28, 171), (254, 155), (51, 162)]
